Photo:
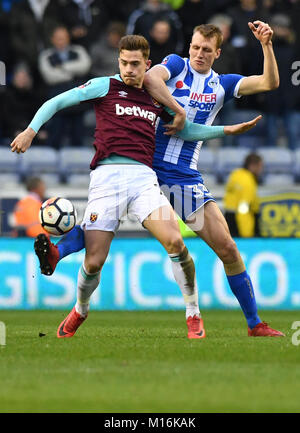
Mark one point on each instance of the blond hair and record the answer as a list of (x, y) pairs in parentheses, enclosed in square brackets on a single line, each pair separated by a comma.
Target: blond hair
[(210, 31)]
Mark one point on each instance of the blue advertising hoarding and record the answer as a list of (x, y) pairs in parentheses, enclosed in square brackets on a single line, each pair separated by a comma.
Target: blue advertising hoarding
[(138, 276)]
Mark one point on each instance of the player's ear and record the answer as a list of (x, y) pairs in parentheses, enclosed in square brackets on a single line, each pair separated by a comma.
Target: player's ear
[(148, 64), (218, 53)]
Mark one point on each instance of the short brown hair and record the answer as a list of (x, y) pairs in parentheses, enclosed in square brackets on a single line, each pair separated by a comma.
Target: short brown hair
[(135, 43), (210, 31), (32, 183), (252, 158)]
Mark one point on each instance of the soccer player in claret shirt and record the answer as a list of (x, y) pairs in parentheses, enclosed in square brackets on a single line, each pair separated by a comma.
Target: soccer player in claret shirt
[(202, 93), (122, 179)]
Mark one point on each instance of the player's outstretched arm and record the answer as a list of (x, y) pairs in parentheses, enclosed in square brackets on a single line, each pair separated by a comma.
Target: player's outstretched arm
[(23, 141), (196, 132), (154, 81), (269, 80), (96, 88)]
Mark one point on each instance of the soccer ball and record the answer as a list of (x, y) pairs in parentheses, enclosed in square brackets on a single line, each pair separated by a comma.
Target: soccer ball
[(57, 216)]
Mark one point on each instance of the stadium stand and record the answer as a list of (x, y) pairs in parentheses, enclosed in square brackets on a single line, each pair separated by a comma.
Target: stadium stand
[(251, 142), (277, 160), (210, 180), (228, 159), (9, 166), (207, 160), (40, 161), (74, 164), (283, 179), (71, 164), (79, 180)]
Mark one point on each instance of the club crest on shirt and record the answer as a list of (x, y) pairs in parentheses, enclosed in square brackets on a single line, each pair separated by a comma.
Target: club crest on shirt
[(84, 85), (165, 60), (93, 217), (213, 83)]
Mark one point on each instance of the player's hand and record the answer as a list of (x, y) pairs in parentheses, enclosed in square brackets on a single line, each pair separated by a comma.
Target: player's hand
[(23, 141), (240, 128), (176, 125), (262, 31)]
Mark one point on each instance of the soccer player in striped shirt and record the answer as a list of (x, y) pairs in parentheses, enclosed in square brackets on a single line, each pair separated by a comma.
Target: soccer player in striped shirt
[(202, 93)]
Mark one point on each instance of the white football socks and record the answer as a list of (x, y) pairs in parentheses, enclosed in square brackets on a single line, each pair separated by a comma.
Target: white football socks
[(185, 276), (86, 285)]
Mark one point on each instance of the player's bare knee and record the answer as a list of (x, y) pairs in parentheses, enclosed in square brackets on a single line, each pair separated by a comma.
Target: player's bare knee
[(175, 244), (228, 251), (94, 265)]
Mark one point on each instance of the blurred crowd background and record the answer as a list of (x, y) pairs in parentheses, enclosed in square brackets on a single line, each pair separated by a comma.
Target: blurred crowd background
[(49, 46)]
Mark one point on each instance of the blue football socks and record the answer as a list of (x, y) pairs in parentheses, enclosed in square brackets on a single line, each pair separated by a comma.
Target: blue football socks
[(242, 288), (71, 242)]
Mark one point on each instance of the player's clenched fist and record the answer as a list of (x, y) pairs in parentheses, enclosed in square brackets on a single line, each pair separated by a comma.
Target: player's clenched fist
[(262, 31), (23, 141)]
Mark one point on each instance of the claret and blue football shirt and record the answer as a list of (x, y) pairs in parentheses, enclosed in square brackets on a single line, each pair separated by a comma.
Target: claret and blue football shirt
[(125, 118)]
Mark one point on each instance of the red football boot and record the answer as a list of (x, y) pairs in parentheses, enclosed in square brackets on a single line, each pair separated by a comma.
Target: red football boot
[(263, 330), (195, 327), (70, 324), (47, 253)]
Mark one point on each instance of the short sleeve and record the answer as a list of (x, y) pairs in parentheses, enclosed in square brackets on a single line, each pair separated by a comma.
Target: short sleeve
[(231, 84), (174, 65)]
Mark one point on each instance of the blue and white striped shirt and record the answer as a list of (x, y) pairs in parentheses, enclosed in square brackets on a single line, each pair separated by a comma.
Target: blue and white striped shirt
[(202, 96)]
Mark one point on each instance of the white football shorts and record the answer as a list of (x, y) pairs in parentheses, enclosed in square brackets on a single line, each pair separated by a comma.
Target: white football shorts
[(117, 190)]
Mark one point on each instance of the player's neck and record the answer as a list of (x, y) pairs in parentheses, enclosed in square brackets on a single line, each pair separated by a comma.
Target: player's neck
[(204, 74)]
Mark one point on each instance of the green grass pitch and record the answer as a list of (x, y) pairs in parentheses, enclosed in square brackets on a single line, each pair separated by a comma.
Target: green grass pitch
[(143, 362)]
